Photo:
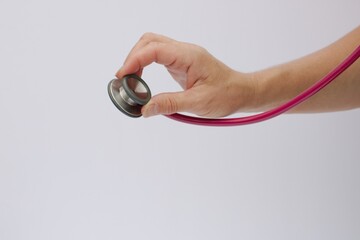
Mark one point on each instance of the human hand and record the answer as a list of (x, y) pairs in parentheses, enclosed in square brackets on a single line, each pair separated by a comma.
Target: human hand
[(211, 88)]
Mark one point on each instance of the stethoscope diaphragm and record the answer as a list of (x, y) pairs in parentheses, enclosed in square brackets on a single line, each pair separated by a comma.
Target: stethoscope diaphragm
[(129, 94)]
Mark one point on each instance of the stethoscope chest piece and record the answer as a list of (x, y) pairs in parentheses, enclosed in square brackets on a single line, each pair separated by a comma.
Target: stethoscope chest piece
[(129, 94)]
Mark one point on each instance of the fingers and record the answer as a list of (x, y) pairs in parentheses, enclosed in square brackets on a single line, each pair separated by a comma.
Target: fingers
[(177, 57), (162, 50), (162, 53), (144, 40), (147, 38), (167, 103)]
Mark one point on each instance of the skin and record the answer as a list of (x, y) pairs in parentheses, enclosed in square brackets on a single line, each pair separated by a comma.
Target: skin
[(208, 83)]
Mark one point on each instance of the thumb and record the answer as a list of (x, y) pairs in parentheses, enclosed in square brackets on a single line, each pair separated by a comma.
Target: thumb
[(166, 103)]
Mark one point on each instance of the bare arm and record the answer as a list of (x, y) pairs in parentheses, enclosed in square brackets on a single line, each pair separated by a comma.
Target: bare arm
[(280, 83)]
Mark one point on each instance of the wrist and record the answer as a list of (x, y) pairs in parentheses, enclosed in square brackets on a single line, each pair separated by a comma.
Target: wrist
[(272, 88), (246, 87)]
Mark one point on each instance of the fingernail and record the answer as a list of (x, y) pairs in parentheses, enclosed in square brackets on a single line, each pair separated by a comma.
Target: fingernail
[(117, 73), (150, 110)]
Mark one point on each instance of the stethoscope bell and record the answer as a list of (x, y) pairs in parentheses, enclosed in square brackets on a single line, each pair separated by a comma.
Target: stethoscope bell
[(129, 94)]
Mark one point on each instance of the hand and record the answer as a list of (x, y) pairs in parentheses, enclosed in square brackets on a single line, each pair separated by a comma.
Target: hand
[(211, 88)]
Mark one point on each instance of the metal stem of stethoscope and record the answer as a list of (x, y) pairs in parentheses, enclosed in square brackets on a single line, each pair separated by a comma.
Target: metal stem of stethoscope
[(131, 92)]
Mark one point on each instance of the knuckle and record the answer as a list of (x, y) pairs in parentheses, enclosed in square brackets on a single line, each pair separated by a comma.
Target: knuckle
[(202, 53), (155, 46), (171, 105), (198, 49), (148, 36)]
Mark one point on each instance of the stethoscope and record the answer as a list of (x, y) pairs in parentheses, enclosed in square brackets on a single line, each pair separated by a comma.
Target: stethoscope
[(131, 92)]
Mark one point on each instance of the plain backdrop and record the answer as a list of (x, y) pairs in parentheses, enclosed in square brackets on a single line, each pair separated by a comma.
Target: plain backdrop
[(73, 167)]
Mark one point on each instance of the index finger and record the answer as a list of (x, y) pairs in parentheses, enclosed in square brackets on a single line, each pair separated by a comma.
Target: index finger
[(158, 52), (146, 39)]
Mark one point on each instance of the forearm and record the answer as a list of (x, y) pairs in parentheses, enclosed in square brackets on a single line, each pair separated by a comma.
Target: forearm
[(281, 83)]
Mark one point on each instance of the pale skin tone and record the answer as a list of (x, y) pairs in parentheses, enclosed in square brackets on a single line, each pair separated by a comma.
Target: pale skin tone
[(212, 89)]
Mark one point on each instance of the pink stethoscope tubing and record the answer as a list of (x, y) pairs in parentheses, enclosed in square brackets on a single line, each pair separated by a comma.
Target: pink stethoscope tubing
[(223, 122)]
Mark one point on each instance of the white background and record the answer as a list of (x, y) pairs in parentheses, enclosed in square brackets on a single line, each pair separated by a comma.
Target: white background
[(73, 167)]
